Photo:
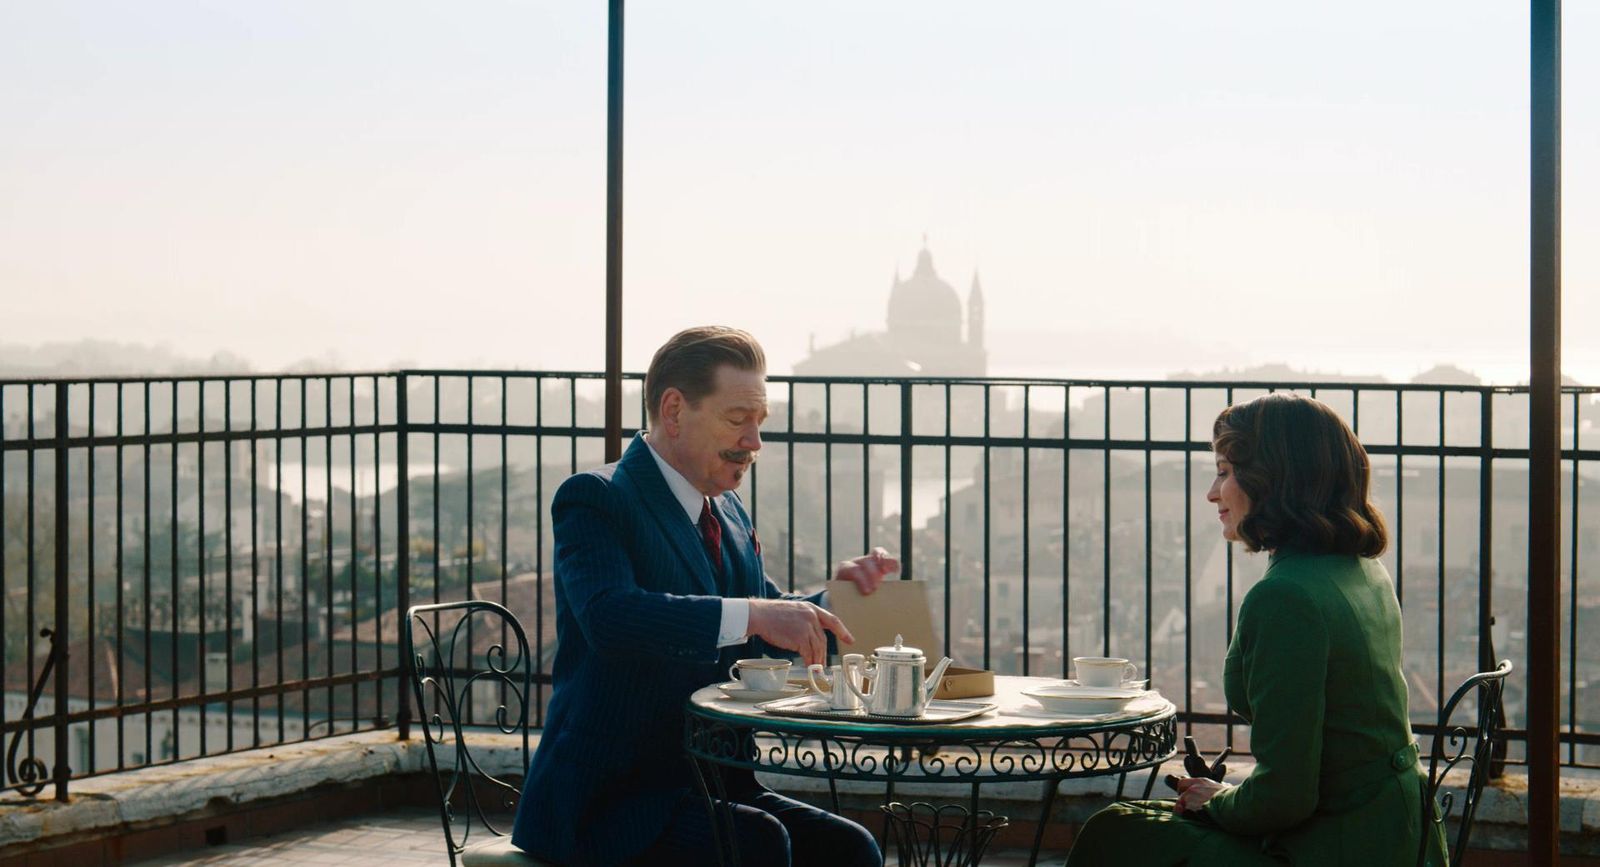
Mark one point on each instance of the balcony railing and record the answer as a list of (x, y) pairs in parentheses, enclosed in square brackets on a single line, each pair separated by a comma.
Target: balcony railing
[(199, 565)]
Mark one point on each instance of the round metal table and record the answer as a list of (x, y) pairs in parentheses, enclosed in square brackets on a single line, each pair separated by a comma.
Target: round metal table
[(1014, 743)]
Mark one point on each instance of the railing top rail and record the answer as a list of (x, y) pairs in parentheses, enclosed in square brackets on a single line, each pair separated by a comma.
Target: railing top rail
[(993, 381)]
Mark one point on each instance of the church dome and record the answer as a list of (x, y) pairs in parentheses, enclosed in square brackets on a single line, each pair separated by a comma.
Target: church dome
[(923, 308)]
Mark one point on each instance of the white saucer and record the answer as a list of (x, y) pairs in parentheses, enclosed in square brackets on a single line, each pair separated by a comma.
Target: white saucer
[(1136, 685), (739, 692), (1082, 700)]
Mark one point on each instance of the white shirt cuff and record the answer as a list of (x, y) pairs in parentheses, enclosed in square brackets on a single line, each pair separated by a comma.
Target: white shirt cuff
[(735, 622)]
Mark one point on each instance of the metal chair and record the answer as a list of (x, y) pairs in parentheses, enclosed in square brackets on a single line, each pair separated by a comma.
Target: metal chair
[(1451, 747), (441, 668), (947, 836)]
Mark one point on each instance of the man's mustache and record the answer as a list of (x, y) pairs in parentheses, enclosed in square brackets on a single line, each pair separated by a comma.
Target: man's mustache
[(738, 456)]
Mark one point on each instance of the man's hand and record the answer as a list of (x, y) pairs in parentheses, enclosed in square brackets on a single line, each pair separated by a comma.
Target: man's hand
[(796, 625), (867, 571), (1194, 792)]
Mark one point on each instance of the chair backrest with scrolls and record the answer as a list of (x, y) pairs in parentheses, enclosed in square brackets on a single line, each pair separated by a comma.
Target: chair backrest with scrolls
[(470, 668), (1470, 746)]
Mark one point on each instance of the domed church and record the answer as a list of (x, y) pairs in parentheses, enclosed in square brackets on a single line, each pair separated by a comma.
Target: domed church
[(924, 334)]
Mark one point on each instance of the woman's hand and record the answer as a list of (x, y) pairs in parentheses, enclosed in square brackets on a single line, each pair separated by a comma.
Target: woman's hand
[(1194, 792)]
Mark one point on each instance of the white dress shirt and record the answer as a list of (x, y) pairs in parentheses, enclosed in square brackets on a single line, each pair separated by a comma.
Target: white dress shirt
[(735, 612)]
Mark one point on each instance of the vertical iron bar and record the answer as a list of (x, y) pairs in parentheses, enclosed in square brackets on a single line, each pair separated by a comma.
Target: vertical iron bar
[(63, 638), (866, 471), (1105, 534), (402, 542), (277, 506), (470, 529), (1026, 620), (1066, 534), (1227, 400), (1439, 590), (789, 468), (988, 571), (948, 503), (91, 636), (1572, 635), (1400, 500), (1149, 546), (148, 695), (1486, 659), (827, 477), (255, 567), (227, 545), (122, 746), (327, 542), (438, 552), (907, 423), (200, 544), (538, 540), (1544, 432), (305, 559), (614, 177), (174, 601), (1188, 559), (33, 547), (355, 557), (505, 500), (377, 542)]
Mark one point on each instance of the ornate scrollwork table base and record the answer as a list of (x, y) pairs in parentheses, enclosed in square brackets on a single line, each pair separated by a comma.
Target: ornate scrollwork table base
[(1012, 744)]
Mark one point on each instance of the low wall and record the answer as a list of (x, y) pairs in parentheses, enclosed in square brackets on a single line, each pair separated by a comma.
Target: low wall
[(143, 813)]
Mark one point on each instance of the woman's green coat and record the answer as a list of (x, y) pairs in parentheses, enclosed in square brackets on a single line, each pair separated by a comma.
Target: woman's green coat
[(1315, 667)]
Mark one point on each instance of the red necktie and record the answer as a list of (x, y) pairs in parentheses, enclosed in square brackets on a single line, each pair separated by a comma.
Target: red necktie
[(711, 535)]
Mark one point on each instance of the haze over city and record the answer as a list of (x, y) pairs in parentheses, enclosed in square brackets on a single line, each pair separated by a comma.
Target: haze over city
[(1143, 190)]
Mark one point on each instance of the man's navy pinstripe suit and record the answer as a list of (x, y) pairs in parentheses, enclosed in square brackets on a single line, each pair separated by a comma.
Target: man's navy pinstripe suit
[(638, 609)]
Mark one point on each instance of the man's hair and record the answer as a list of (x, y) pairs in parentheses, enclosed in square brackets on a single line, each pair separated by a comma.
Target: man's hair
[(1307, 476), (689, 362)]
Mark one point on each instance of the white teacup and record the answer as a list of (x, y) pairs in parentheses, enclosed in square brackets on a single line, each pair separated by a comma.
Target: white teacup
[(1103, 670), (763, 675)]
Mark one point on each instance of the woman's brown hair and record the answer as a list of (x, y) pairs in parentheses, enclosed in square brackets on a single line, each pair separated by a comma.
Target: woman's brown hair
[(1306, 474)]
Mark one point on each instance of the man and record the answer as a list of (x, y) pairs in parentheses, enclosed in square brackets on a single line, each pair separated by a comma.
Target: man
[(659, 587)]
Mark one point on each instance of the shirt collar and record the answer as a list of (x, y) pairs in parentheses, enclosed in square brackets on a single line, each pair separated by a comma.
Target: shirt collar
[(686, 494)]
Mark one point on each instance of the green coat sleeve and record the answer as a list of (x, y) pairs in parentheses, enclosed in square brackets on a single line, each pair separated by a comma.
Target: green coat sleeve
[(1282, 655)]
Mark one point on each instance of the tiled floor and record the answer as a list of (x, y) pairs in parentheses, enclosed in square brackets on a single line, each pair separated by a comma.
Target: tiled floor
[(402, 837)]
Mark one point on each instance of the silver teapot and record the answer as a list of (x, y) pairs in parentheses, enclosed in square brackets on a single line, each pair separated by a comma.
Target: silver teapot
[(898, 688)]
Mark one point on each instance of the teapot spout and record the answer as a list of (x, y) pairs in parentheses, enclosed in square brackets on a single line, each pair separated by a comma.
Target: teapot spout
[(931, 685)]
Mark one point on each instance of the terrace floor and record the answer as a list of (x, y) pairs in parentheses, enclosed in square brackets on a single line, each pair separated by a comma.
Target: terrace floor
[(407, 835)]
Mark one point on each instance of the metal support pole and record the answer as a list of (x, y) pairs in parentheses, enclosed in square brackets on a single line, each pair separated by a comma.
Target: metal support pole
[(1544, 431), (62, 641), (614, 235)]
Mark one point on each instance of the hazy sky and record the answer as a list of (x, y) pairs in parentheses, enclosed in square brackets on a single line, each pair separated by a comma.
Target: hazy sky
[(1145, 187)]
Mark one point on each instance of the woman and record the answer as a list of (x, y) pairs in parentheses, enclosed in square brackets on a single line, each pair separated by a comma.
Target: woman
[(1314, 667)]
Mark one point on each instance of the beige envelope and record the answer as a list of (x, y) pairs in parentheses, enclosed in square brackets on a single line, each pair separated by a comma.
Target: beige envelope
[(896, 608)]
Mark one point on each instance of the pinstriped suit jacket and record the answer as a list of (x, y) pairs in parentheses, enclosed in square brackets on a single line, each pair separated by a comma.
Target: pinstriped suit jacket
[(638, 610)]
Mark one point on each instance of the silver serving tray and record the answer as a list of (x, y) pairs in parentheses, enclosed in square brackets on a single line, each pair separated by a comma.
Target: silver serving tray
[(938, 712)]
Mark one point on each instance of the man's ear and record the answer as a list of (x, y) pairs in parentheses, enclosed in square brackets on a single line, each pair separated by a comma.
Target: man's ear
[(672, 403)]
